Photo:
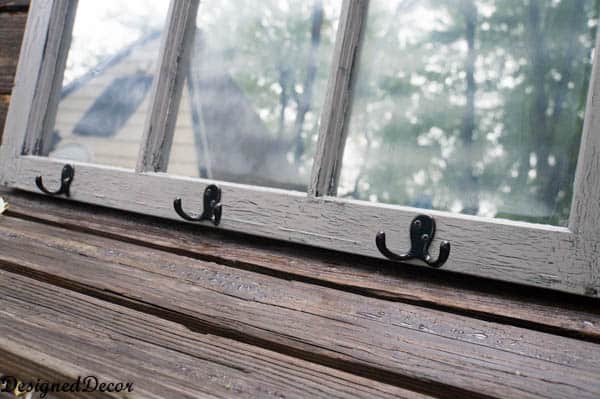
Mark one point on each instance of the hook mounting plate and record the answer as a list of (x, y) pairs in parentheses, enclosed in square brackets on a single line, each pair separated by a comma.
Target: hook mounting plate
[(422, 232), (66, 178), (212, 206)]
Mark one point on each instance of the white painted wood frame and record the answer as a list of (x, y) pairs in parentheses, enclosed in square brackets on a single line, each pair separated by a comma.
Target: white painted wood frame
[(174, 56), (563, 258)]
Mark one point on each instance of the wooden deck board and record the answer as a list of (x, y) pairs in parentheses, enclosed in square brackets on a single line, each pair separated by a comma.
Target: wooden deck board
[(14, 5), (524, 306), (12, 26), (189, 311), (4, 101), (422, 349), (72, 334)]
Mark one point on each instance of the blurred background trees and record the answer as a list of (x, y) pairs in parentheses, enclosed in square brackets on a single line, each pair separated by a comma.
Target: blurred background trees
[(472, 106)]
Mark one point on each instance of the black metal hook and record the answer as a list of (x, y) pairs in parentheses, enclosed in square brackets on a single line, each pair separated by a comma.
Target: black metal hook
[(66, 178), (422, 231), (212, 206)]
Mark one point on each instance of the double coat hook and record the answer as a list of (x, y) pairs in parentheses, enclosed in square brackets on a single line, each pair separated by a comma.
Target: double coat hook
[(422, 231), (66, 178), (212, 206)]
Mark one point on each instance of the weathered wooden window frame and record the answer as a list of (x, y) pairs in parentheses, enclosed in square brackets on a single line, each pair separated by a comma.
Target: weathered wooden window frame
[(564, 258)]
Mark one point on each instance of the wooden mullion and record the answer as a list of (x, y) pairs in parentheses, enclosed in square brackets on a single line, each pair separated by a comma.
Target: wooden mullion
[(585, 207), (33, 80), (167, 87), (54, 97), (333, 128), (47, 91), (541, 255)]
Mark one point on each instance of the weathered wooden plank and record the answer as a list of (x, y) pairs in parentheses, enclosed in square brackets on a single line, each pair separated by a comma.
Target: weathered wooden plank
[(539, 255), (26, 367), (338, 99), (52, 75), (13, 5), (4, 101), (568, 315), (46, 80), (585, 207), (167, 87), (423, 349), (12, 26), (50, 326)]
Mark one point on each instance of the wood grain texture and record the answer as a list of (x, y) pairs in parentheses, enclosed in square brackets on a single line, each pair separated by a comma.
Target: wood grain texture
[(165, 96), (545, 311), (12, 26), (21, 113), (422, 349), (62, 28), (585, 208), (77, 334), (537, 255), (338, 99), (4, 101), (55, 36), (13, 5), (27, 364)]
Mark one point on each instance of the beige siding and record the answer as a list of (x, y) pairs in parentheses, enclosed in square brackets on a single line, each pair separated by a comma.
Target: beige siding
[(122, 148)]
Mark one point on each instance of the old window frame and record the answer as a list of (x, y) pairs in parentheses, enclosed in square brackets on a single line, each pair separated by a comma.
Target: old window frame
[(563, 258)]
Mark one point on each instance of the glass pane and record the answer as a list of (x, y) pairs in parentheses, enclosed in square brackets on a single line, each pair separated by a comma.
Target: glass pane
[(107, 80), (252, 101), (471, 106)]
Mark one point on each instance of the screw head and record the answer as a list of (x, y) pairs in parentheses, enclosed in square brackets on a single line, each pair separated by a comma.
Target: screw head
[(425, 237)]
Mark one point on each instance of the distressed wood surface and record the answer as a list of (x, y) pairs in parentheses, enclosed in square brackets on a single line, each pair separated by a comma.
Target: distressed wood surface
[(338, 98), (563, 314), (4, 101), (53, 40), (12, 26), (423, 349), (345, 312), (21, 112), (167, 87), (537, 255), (73, 334), (585, 209), (13, 5), (52, 94), (27, 364)]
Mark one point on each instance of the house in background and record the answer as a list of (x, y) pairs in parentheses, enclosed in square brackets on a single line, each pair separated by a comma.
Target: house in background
[(218, 134)]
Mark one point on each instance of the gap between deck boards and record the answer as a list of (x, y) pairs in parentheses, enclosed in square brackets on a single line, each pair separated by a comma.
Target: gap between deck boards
[(527, 307), (330, 327), (199, 326), (117, 343)]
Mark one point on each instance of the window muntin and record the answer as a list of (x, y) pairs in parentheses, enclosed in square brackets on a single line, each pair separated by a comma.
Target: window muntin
[(542, 255), (104, 96), (472, 107), (254, 92)]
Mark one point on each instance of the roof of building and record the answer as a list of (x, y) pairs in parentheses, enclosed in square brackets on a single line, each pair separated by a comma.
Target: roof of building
[(218, 132)]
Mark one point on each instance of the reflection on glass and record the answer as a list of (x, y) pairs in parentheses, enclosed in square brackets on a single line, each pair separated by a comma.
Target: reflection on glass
[(471, 106), (107, 80), (251, 104)]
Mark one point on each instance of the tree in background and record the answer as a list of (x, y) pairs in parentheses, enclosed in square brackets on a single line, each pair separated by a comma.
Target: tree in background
[(279, 54), (473, 106)]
